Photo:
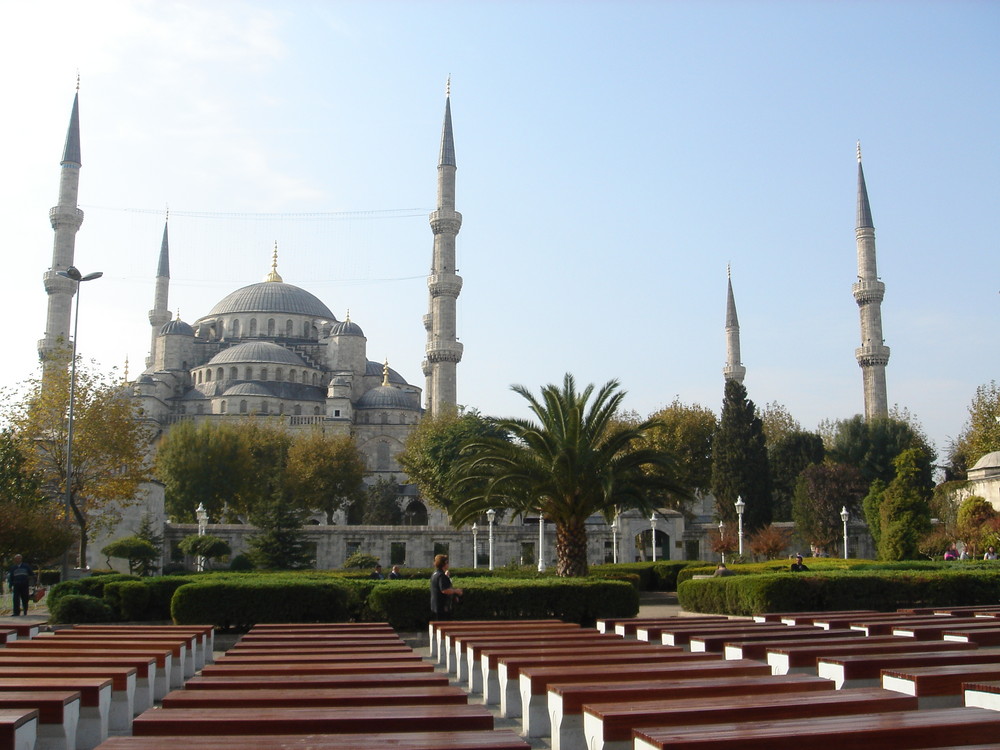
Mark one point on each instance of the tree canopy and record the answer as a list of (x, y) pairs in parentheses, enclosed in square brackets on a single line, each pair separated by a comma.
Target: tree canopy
[(786, 458), (905, 514), (685, 432), (575, 461), (822, 491), (981, 433), (873, 445), (325, 472)]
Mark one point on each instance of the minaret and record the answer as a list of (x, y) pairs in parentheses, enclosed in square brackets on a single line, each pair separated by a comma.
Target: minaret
[(66, 219), (734, 369), (873, 354), (159, 316), (444, 352)]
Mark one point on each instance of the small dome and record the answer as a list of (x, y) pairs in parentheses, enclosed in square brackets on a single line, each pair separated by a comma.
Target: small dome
[(258, 351), (989, 461), (272, 297), (346, 328), (375, 368), (385, 397), (177, 328), (248, 389)]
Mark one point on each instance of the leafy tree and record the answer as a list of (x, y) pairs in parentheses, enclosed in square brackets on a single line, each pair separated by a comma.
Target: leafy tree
[(203, 464), (686, 433), (575, 461), (905, 514), (361, 561), (279, 543), (872, 446), (777, 422), (935, 543), (724, 541), (206, 546), (786, 458), (872, 508), (381, 504), (139, 552), (820, 494), (973, 515), (769, 542), (268, 444), (325, 473), (110, 443), (981, 434), (739, 461), (432, 451)]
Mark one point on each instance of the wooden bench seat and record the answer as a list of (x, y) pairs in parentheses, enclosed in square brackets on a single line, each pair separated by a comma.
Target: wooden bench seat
[(982, 693), (336, 626), (936, 631), (804, 657), (312, 681), (468, 649), (938, 686), (305, 647), (183, 648), (566, 700), (609, 726), (436, 629), (372, 667), (680, 635), (886, 627), (806, 618), (843, 622), (259, 721), (752, 649), (25, 629), (898, 730), (534, 681), (449, 639), (628, 625), (58, 715), (716, 642), (464, 740), (355, 657), (203, 635), (384, 695), (18, 728), (94, 707), (178, 651), (866, 670), (982, 637)]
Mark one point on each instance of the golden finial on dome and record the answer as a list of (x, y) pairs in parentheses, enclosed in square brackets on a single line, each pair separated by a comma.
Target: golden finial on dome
[(273, 275), (385, 372), (348, 318), (126, 368), (178, 314)]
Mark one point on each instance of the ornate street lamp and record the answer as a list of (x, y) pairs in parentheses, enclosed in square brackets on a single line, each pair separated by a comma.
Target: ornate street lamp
[(740, 507), (844, 515), (202, 515), (652, 534), (722, 540), (615, 526), (72, 273), (541, 542), (475, 546), (491, 515)]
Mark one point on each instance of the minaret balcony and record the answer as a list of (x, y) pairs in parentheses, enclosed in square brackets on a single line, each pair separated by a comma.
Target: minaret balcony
[(866, 292), (428, 321), (445, 221), (872, 355), (54, 283), (444, 351), (444, 284), (59, 215)]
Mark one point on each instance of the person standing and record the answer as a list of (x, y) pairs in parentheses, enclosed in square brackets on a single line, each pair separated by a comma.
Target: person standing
[(443, 592), (991, 553), (19, 579), (797, 566), (394, 574), (376, 574)]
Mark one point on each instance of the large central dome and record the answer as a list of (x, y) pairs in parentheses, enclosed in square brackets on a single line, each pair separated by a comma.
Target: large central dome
[(272, 297)]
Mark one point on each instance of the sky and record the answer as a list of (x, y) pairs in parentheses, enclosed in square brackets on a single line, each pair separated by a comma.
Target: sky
[(614, 158)]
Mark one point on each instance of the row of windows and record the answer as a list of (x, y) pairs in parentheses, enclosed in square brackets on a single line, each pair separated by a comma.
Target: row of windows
[(308, 329), (244, 408), (294, 376)]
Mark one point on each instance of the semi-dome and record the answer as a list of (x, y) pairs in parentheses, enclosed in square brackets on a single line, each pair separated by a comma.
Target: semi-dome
[(374, 368), (248, 389), (272, 297), (385, 397), (258, 351), (177, 328), (346, 328)]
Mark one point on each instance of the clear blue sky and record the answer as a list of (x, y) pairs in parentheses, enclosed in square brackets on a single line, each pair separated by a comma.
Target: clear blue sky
[(613, 158)]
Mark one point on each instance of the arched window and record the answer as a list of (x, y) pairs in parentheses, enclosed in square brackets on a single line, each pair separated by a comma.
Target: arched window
[(248, 374), (383, 418), (263, 373), (288, 328), (234, 328), (243, 406), (270, 326), (415, 514), (263, 407), (253, 326), (402, 418), (306, 329), (297, 410), (220, 374), (281, 407), (316, 411), (199, 376), (234, 373), (222, 407), (291, 376), (208, 376), (315, 379), (277, 374), (382, 457)]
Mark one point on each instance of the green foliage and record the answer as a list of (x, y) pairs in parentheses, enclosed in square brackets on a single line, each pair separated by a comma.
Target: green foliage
[(575, 461), (140, 553), (279, 543), (787, 457), (75, 608), (129, 600), (872, 446), (981, 434), (821, 492), (241, 562), (739, 461), (685, 432), (769, 542), (325, 472), (405, 604), (777, 422), (905, 514), (207, 546), (240, 604), (872, 508), (361, 560), (379, 504)]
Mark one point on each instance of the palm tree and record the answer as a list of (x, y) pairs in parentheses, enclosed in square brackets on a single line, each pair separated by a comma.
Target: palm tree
[(577, 460)]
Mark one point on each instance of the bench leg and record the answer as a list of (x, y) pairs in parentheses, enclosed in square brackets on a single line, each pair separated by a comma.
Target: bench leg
[(534, 711), (60, 736)]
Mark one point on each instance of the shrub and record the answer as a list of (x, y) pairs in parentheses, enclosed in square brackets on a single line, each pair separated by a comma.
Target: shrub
[(361, 560), (129, 600), (241, 563), (65, 588), (74, 608)]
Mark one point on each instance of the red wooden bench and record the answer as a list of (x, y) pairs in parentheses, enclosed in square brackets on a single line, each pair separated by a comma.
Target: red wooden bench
[(936, 631), (184, 647), (95, 701), (938, 686), (804, 657), (865, 670), (306, 647), (204, 635), (985, 694), (261, 721), (355, 657), (293, 681), (436, 629), (982, 637), (609, 726), (628, 625), (680, 635), (566, 700), (384, 695), (178, 650), (25, 629), (464, 740), (58, 715), (886, 627), (836, 621), (372, 667), (752, 649), (447, 646), (898, 730), (339, 627), (715, 642), (806, 618), (535, 681), (18, 728)]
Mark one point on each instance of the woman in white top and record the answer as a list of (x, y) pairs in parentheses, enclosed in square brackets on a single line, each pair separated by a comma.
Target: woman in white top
[(991, 553)]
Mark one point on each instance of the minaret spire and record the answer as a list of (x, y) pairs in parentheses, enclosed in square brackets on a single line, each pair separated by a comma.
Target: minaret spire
[(443, 352), (159, 316), (66, 219), (734, 369), (873, 354)]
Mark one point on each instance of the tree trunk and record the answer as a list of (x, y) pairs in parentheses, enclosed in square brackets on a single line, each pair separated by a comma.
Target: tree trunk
[(81, 522), (571, 549)]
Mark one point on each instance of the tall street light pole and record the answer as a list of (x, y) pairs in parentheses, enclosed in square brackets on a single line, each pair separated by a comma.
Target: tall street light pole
[(844, 515), (475, 546), (740, 507), (722, 540), (490, 516), (652, 533), (73, 274)]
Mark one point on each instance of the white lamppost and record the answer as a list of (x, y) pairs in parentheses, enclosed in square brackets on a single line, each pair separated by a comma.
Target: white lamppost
[(541, 542), (740, 507), (73, 274), (475, 546), (490, 515), (652, 534), (202, 515), (844, 515), (615, 525), (722, 540)]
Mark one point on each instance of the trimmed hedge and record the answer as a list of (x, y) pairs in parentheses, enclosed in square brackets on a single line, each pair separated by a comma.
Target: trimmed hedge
[(232, 603), (828, 591), (406, 604), (76, 608)]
